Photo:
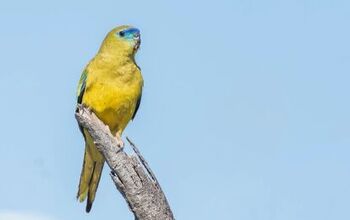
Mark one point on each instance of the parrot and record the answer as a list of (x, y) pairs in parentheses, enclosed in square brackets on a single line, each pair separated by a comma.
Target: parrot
[(111, 87)]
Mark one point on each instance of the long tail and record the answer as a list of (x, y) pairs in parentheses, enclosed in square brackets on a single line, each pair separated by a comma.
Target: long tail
[(90, 174)]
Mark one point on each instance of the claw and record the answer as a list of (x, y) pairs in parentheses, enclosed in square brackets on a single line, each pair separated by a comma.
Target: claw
[(119, 140), (120, 143)]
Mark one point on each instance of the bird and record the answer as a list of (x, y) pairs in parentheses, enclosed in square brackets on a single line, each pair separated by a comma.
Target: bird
[(111, 87)]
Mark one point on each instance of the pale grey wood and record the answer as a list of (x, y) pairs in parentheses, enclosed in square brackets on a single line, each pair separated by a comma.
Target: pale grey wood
[(134, 179)]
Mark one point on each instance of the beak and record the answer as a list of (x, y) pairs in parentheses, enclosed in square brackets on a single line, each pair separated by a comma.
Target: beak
[(137, 34), (137, 38), (138, 42)]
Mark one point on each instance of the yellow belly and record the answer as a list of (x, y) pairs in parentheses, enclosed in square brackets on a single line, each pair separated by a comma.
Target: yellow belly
[(112, 104)]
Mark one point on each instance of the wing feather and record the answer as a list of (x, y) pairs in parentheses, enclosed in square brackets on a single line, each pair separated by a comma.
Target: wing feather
[(80, 94), (137, 106), (81, 87)]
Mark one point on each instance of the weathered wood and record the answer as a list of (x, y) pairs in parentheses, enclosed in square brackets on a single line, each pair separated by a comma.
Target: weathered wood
[(134, 179)]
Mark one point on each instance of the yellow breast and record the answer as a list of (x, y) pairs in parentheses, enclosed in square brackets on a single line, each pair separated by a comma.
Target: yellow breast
[(113, 94)]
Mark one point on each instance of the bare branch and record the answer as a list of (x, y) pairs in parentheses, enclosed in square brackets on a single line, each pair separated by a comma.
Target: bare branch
[(140, 189)]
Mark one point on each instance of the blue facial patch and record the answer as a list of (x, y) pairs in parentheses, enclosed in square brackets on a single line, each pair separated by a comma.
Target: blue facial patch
[(129, 33)]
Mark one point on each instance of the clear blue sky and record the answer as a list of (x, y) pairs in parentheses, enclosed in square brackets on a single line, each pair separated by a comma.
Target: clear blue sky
[(245, 112)]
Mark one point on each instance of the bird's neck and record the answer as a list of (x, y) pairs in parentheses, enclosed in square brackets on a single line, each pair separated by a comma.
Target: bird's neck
[(114, 65), (118, 58)]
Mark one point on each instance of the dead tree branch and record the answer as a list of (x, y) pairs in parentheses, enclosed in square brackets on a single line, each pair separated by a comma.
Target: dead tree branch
[(131, 174)]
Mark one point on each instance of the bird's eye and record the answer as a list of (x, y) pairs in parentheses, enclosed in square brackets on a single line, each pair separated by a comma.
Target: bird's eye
[(122, 33)]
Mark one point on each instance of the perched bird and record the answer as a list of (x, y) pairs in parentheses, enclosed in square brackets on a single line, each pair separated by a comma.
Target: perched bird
[(111, 86)]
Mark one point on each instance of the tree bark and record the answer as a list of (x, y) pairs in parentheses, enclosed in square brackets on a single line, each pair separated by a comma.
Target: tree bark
[(130, 173)]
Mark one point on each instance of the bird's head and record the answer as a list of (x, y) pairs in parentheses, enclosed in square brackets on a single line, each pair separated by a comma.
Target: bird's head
[(123, 40)]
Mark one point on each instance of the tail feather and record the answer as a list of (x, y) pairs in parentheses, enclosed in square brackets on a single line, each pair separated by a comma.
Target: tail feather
[(85, 176), (95, 179), (90, 174)]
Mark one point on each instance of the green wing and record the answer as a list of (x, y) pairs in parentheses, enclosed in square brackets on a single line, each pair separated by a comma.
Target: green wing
[(81, 87), (80, 93)]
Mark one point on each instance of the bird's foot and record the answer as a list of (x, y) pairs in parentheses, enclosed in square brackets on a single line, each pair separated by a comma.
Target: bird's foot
[(119, 141)]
